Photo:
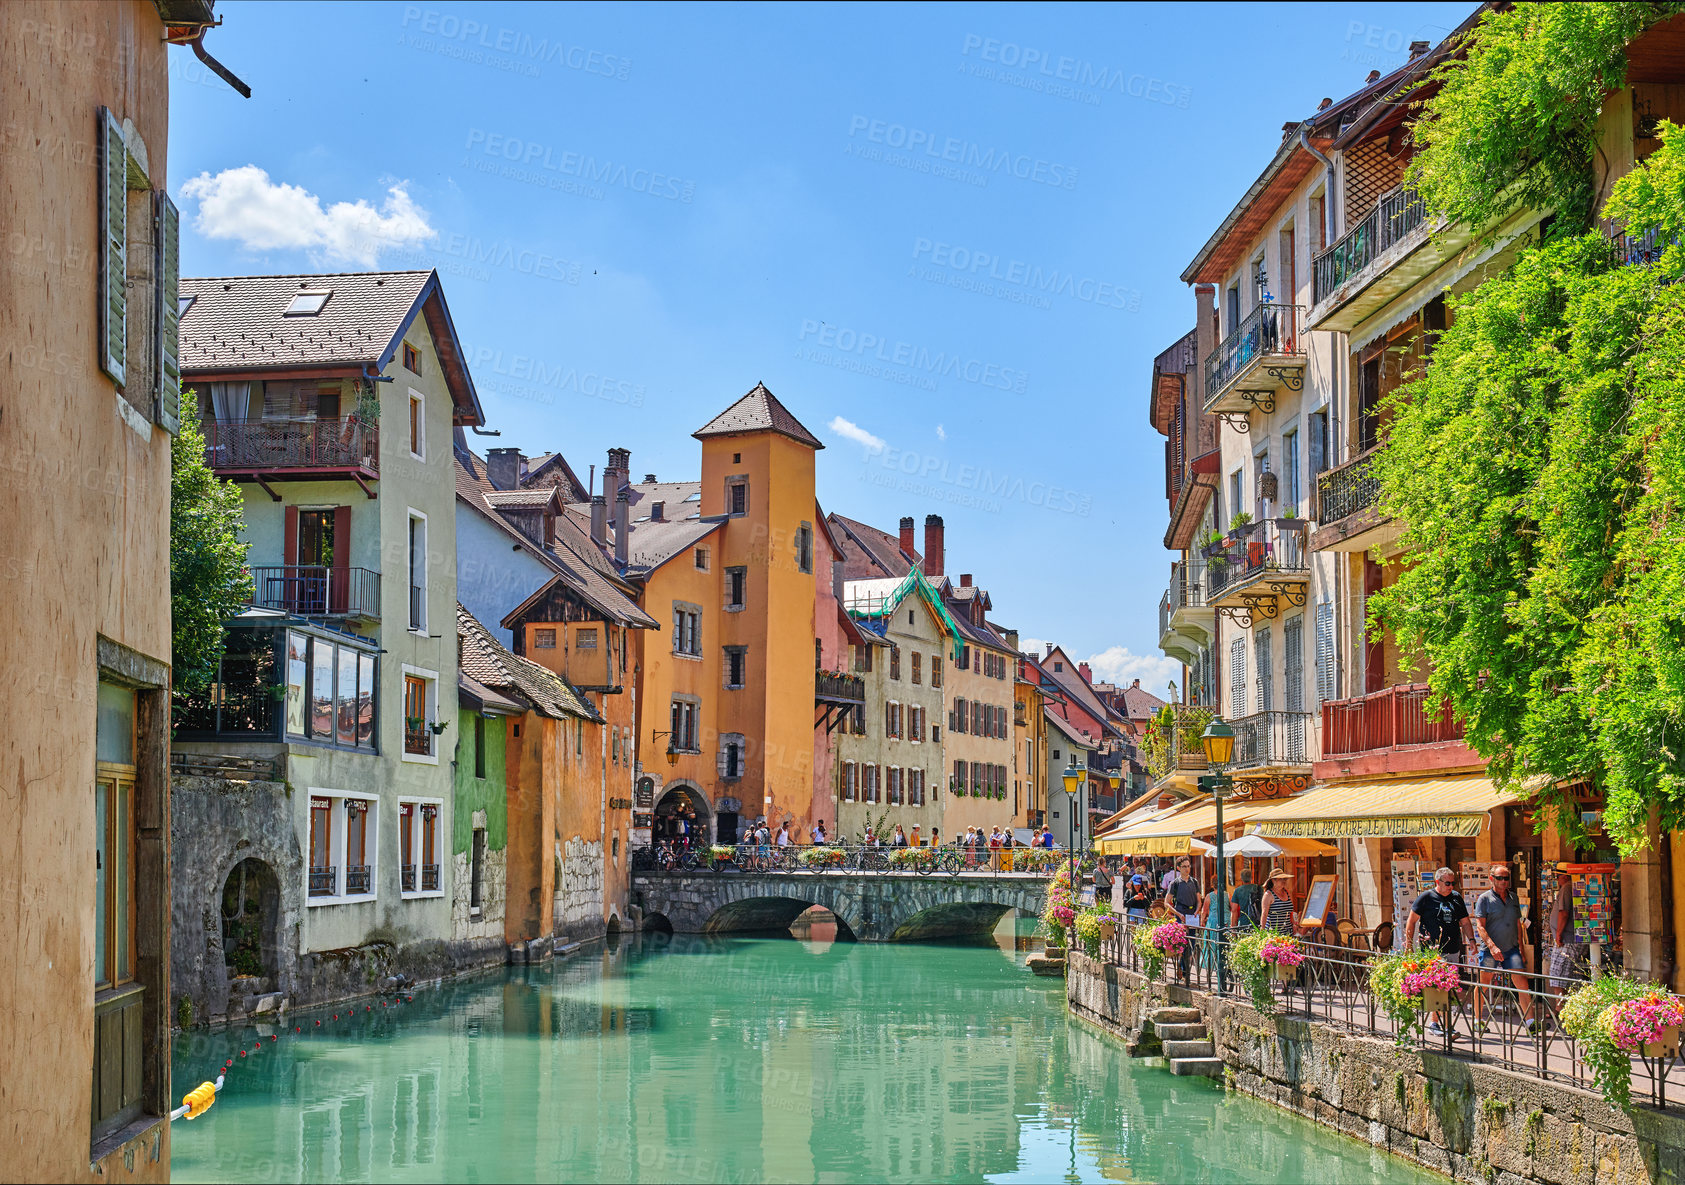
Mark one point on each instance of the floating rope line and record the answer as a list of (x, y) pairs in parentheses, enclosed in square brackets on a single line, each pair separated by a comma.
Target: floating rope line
[(199, 1100)]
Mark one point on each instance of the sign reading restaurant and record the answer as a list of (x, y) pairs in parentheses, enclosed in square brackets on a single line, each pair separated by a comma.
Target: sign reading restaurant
[(1373, 827)]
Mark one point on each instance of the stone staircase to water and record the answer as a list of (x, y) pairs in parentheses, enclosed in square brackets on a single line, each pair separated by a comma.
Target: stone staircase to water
[(1185, 1040)]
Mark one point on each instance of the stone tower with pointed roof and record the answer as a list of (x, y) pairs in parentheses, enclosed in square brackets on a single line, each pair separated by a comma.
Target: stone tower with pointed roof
[(758, 475)]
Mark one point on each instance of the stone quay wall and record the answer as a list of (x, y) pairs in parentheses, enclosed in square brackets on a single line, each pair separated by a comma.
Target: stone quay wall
[(1474, 1122)]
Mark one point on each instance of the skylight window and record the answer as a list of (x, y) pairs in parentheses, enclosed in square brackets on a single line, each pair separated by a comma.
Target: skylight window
[(696, 497), (307, 304), (185, 302)]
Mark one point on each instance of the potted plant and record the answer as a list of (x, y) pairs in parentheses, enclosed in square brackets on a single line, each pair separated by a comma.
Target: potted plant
[(1157, 942), (721, 853), (1613, 1017), (1239, 523), (1212, 543), (1435, 983), (1283, 955), (1290, 520), (1248, 966)]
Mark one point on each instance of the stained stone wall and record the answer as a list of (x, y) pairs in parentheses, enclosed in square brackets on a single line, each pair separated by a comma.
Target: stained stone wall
[(874, 906), (579, 889), (1474, 1122)]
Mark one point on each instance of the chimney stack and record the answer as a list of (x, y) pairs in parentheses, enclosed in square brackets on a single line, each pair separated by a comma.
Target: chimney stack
[(503, 468), (622, 525), (907, 537), (649, 478), (618, 470), (599, 520), (1417, 49), (1087, 675), (933, 536), (1374, 77), (965, 579)]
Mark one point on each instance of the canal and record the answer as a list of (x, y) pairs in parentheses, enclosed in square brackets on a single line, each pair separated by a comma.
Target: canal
[(740, 1059)]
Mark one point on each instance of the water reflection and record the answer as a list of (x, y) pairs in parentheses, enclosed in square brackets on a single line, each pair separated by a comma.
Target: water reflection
[(736, 1059)]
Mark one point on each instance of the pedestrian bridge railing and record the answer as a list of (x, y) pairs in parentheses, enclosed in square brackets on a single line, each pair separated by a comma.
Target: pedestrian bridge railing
[(727, 859)]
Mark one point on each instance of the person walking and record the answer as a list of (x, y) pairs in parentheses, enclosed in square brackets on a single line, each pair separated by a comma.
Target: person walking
[(1567, 953), (1497, 921), (1243, 910), (915, 837), (1187, 900), (784, 835), (819, 832), (1442, 919), (900, 838)]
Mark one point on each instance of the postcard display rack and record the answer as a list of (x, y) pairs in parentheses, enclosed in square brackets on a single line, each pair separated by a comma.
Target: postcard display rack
[(1410, 879)]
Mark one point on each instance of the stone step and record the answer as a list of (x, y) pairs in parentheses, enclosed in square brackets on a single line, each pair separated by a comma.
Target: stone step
[(1197, 1067), (1182, 1032), (1174, 1016), (1189, 1049)]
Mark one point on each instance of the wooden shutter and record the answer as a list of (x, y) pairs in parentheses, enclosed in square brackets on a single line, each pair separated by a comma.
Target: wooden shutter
[(289, 536), (167, 276), (339, 576), (1237, 677), (1325, 651), (1266, 671), (1293, 663), (114, 245)]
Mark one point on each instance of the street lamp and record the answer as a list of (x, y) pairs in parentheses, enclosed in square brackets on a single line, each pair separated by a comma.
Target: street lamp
[(1073, 777), (1218, 740)]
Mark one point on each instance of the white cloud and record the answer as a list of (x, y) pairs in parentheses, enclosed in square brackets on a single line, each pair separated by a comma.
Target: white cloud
[(1117, 664), (243, 204), (852, 431), (941, 432)]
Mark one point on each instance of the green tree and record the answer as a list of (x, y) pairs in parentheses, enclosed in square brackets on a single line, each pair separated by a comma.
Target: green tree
[(209, 582)]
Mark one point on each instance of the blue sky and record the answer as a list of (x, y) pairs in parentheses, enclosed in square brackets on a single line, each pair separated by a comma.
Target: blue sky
[(948, 238)]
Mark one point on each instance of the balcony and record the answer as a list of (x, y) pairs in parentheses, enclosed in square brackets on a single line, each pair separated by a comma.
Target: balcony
[(418, 736), (1172, 748), (1348, 512), (1186, 624), (293, 450), (324, 880), (406, 878), (838, 696), (1257, 567), (1265, 354), (309, 590), (1399, 729), (1272, 742)]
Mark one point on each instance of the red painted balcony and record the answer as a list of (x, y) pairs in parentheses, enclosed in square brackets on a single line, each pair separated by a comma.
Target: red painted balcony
[(1398, 729), (282, 450)]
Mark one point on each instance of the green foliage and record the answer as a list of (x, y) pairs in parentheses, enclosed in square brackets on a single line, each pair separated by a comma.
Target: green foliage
[(1538, 467), (208, 578), (1088, 923), (1172, 730), (1240, 521), (184, 1012), (1384, 976), (1514, 123), (1582, 1019), (1248, 966)]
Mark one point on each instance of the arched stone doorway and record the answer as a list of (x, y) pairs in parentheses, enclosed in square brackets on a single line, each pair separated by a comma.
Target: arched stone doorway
[(683, 813), (251, 911)]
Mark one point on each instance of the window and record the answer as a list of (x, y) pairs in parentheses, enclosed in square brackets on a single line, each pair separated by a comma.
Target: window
[(1236, 505), (957, 717), (587, 639), (735, 580), (701, 556), (418, 425), (418, 572), (324, 871), (737, 495), (418, 847), (1266, 671), (871, 787), (545, 638), (114, 796), (859, 720), (915, 724), (477, 870), (687, 629), (863, 658), (977, 719), (1292, 494), (735, 660), (343, 847), (915, 787), (959, 776), (804, 547), (329, 689), (1059, 666), (965, 658), (420, 712), (894, 662), (307, 303), (979, 776), (614, 746), (731, 756), (892, 719), (1317, 428), (850, 781), (683, 724), (412, 359), (894, 785), (936, 670), (918, 667)]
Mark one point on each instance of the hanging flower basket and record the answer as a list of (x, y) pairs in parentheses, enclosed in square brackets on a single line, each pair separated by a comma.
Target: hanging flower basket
[(1108, 930), (1282, 973), (1666, 1043), (1435, 999)]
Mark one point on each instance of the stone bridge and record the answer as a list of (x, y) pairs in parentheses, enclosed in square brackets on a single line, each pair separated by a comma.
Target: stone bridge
[(872, 906)]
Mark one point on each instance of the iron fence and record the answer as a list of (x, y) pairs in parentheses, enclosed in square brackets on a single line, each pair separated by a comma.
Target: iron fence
[(324, 880), (280, 445), (1395, 215), (1347, 489), (1257, 550), (315, 590), (1270, 330), (817, 859), (1271, 738)]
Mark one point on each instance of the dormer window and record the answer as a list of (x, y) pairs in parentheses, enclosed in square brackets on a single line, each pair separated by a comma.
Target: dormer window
[(307, 303), (183, 303)]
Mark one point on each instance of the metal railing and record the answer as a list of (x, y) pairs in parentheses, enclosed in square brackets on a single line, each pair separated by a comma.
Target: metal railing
[(1638, 250), (324, 880), (1395, 215), (406, 878), (313, 590), (1270, 330), (1493, 1020), (418, 737), (834, 687), (418, 607), (1173, 740), (1271, 738), (1386, 719), (275, 445), (670, 856), (429, 878), (1256, 550), (358, 879), (1346, 489)]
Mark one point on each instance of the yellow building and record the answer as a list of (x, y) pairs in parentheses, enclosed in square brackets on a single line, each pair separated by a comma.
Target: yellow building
[(980, 746), (1029, 743)]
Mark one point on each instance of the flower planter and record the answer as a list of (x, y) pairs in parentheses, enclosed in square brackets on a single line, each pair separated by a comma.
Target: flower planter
[(1435, 999), (1053, 952), (1108, 931), (1666, 1043), (1282, 973)]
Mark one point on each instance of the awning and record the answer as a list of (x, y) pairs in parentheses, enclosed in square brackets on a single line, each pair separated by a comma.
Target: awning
[(1113, 844), (1170, 832), (1399, 808), (1256, 847)]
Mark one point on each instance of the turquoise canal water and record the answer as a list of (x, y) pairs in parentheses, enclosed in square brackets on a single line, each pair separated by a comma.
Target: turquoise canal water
[(733, 1060)]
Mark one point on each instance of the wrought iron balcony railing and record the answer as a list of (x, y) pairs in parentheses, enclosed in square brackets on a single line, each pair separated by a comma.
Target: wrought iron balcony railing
[(277, 447), (1392, 717), (358, 878), (1394, 216), (1346, 489), (833, 687), (1173, 740), (312, 590), (1269, 331), (1271, 739), (429, 878), (1257, 550), (324, 880), (406, 878), (418, 736)]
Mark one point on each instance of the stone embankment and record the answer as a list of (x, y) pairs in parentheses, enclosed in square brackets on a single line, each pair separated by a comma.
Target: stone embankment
[(1474, 1122)]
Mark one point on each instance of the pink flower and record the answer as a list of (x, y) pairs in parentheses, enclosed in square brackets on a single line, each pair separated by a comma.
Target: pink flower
[(1171, 938), (1282, 951), (1433, 973), (1636, 1023)]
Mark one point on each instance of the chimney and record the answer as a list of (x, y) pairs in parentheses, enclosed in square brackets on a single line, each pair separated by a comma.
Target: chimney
[(1417, 49), (933, 535), (649, 478), (1137, 683), (837, 580), (1205, 342), (965, 579), (1374, 77), (1087, 675), (618, 470), (503, 468), (1325, 104), (599, 520), (622, 525), (907, 536)]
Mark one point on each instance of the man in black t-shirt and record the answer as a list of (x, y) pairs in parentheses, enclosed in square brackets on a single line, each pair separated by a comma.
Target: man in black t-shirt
[(1443, 920)]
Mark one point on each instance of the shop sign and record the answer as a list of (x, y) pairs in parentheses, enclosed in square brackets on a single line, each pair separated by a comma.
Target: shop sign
[(644, 794), (1373, 827)]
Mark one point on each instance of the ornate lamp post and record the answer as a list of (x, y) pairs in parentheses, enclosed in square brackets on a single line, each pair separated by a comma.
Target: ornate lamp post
[(1218, 740), (1073, 776)]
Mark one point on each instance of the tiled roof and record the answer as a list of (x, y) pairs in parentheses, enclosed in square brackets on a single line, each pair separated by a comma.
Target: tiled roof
[(237, 322), (758, 411), (1139, 704), (653, 544), (869, 553), (488, 662), (477, 694), (522, 498), (1069, 729)]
